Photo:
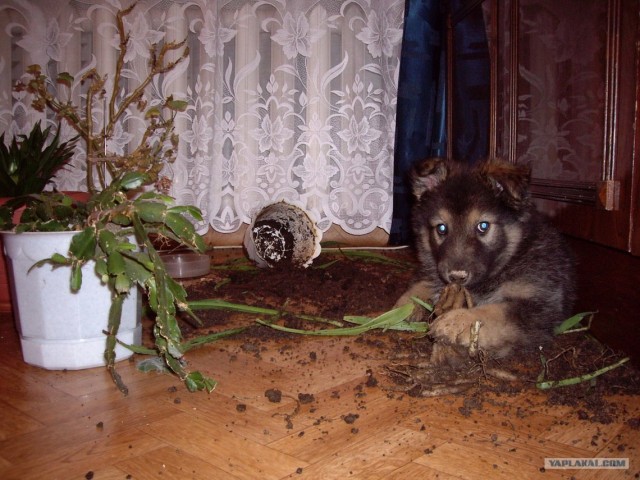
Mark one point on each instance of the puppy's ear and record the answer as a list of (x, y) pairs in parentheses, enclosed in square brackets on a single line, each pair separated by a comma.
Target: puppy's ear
[(509, 182), (428, 174)]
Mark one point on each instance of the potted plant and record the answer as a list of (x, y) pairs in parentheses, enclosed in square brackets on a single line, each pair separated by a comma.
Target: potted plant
[(112, 232), (27, 165)]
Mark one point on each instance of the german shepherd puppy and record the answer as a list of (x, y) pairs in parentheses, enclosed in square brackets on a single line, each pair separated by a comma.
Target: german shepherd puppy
[(478, 228)]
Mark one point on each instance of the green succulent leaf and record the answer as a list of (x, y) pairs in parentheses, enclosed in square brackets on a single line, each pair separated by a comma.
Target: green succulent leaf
[(122, 283), (115, 263), (152, 294), (132, 180), (176, 290), (177, 105), (153, 112), (137, 271), (101, 269), (195, 381), (76, 276), (192, 210), (121, 219), (65, 78), (143, 259), (83, 244), (107, 241), (152, 212), (184, 230), (59, 259), (152, 364), (156, 196)]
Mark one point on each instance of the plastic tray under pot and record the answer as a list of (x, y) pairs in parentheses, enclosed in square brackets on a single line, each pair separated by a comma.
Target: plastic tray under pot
[(186, 265)]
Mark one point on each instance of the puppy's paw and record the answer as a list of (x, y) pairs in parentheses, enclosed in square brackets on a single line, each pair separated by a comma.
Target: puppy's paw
[(497, 333), (454, 327)]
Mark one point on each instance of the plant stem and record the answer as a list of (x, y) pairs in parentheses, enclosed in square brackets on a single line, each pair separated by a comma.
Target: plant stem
[(115, 315), (545, 385)]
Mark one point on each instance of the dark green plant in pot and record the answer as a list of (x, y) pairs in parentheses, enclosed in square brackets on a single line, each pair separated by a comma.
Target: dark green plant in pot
[(30, 161), (115, 229)]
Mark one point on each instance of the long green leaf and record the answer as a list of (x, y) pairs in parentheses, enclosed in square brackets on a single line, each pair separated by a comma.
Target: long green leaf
[(423, 304), (392, 320), (417, 327), (210, 338), (570, 323), (216, 304)]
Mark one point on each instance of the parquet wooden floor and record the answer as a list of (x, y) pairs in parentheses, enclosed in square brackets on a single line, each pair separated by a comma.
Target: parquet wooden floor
[(76, 425)]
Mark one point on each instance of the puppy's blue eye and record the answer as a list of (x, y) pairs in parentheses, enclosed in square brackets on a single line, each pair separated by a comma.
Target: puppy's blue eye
[(442, 229), (483, 227)]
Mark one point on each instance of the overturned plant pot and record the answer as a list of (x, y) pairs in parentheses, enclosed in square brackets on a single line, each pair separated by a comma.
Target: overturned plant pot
[(283, 235)]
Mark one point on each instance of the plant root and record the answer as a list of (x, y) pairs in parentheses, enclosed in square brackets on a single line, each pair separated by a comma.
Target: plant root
[(423, 380), (453, 296)]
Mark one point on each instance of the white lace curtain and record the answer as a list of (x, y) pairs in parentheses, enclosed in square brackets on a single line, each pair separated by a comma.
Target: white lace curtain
[(288, 99)]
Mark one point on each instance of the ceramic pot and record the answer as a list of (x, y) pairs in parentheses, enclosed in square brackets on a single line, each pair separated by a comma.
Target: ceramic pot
[(59, 328), (5, 291)]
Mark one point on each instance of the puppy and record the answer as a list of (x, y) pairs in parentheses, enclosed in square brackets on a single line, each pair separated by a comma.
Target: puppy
[(476, 227)]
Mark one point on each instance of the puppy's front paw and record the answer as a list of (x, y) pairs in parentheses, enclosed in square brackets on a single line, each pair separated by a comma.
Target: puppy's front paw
[(454, 327), (497, 333)]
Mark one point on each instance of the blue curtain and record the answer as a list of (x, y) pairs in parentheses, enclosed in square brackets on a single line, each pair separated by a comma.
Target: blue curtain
[(421, 115), (471, 88)]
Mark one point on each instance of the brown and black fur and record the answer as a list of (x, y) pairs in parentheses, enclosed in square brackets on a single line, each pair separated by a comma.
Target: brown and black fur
[(518, 271)]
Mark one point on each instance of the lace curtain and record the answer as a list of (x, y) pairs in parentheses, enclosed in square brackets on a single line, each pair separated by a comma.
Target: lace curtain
[(287, 99)]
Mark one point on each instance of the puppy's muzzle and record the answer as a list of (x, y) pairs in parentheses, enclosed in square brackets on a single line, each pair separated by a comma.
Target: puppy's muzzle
[(458, 276)]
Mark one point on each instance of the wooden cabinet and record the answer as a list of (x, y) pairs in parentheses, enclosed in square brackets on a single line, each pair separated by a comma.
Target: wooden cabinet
[(562, 95)]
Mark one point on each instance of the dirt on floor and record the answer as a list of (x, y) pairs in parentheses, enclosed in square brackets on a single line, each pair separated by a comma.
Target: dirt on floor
[(349, 282)]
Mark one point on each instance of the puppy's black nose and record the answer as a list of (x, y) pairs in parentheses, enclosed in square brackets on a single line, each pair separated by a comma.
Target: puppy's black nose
[(458, 276)]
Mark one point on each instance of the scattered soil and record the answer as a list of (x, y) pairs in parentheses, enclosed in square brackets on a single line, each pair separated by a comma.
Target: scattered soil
[(339, 284), (273, 395)]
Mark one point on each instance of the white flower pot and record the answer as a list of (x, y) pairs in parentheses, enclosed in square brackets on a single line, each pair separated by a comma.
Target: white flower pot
[(283, 234), (60, 329)]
